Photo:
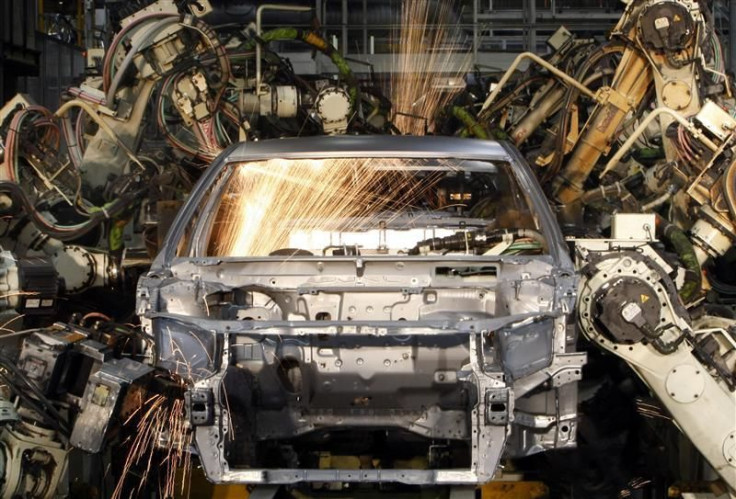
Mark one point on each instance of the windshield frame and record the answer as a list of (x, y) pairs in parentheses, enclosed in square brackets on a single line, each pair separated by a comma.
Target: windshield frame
[(367, 147), (204, 228)]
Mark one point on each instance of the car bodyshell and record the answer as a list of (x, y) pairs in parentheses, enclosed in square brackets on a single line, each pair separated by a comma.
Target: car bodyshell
[(499, 383)]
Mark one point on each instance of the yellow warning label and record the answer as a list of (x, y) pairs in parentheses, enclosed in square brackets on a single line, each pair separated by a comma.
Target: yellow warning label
[(677, 18), (644, 298)]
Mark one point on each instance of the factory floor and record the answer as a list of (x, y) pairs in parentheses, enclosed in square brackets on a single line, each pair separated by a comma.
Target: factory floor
[(200, 487)]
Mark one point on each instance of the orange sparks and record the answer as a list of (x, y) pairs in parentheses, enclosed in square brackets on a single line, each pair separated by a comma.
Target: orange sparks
[(277, 204), (426, 74), (160, 426)]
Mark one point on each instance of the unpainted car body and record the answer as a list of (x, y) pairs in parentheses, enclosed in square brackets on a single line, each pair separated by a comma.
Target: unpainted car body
[(423, 358)]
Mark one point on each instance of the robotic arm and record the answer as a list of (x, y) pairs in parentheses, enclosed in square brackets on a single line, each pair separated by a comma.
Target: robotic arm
[(629, 306)]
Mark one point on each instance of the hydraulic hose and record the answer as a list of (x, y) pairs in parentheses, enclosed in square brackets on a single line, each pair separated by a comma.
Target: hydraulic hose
[(476, 239), (470, 122), (686, 252)]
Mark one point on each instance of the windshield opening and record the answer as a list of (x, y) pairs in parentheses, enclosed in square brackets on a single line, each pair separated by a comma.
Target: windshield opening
[(371, 206)]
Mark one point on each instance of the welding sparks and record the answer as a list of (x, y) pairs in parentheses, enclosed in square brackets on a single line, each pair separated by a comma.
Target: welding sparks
[(634, 484), (652, 411), (427, 42), (267, 202), (160, 426)]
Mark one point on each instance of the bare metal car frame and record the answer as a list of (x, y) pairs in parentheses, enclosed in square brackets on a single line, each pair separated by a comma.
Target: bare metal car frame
[(513, 414)]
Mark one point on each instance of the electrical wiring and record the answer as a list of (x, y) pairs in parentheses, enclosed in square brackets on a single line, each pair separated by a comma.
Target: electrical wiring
[(180, 92), (126, 31), (64, 109), (220, 53), (683, 146), (512, 94), (37, 408), (168, 135), (74, 157), (206, 133), (718, 72), (232, 113), (148, 34), (97, 215), (81, 94), (73, 139), (682, 153), (224, 135), (38, 399), (94, 315), (17, 127), (47, 144)]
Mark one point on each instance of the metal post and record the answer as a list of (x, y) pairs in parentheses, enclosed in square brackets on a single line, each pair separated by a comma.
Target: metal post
[(525, 17), (89, 24), (532, 26), (365, 27), (41, 19), (81, 41), (24, 25), (323, 32), (476, 6), (344, 27)]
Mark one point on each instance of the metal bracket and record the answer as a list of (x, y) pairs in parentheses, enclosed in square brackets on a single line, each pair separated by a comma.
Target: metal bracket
[(200, 405), (497, 406)]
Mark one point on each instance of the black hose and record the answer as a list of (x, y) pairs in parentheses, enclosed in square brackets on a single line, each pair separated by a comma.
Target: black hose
[(471, 240), (686, 252), (110, 210), (38, 402)]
